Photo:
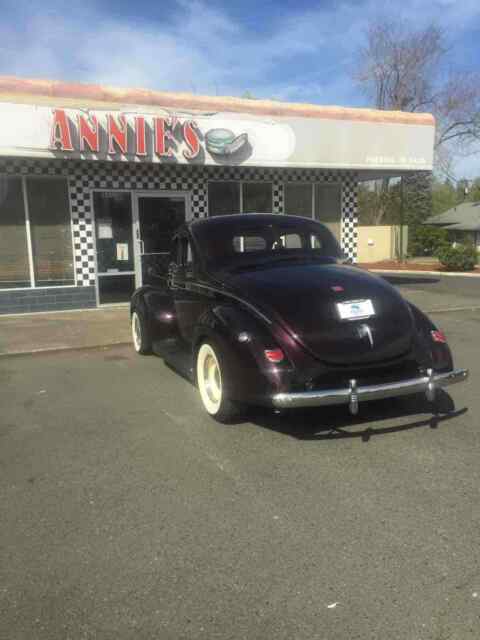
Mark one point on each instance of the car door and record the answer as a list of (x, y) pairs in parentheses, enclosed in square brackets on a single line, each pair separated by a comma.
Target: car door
[(190, 302)]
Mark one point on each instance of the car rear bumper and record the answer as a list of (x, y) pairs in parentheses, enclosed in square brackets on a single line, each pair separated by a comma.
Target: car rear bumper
[(354, 394)]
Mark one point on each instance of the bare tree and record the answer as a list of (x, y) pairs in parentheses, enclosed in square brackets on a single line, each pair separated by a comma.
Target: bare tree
[(403, 68), (396, 66), (458, 118)]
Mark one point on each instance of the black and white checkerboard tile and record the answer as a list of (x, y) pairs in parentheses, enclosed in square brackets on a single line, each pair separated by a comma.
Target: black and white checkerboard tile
[(83, 177)]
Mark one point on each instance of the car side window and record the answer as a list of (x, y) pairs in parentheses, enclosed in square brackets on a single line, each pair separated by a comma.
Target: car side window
[(315, 241), (291, 241)]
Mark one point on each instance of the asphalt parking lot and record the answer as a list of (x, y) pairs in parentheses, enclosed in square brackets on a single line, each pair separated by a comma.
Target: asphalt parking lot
[(127, 513)]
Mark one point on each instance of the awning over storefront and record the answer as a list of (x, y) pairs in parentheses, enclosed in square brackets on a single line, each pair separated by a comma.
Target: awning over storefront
[(44, 119)]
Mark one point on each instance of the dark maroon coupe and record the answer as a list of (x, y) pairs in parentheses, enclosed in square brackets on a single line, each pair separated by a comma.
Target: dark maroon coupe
[(258, 309)]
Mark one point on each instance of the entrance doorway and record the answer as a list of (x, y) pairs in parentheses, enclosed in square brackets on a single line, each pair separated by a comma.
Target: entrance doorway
[(133, 232), (114, 246), (156, 216)]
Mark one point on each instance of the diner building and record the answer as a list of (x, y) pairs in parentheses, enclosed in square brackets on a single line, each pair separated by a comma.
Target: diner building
[(94, 180)]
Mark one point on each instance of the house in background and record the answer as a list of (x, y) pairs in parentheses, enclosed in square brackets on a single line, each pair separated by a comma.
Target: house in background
[(462, 222)]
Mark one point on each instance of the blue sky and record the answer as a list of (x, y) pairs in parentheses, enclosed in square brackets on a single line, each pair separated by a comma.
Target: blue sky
[(290, 50)]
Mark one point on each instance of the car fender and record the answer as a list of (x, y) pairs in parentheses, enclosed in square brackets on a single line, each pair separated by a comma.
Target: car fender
[(243, 340), (158, 310), (432, 354)]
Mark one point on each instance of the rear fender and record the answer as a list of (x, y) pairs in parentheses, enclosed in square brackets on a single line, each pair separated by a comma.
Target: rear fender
[(431, 354), (243, 340)]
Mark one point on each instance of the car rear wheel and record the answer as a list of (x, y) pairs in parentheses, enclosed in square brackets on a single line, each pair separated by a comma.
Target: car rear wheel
[(211, 377), (142, 341)]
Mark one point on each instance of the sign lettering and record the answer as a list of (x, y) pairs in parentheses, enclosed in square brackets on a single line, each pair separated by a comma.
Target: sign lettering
[(166, 137), (60, 136), (88, 133)]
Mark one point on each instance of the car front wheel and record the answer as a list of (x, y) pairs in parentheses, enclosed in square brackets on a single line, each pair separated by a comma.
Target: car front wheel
[(211, 376), (142, 342)]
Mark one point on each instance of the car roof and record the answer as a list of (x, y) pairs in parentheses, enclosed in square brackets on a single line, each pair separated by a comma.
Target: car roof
[(246, 219)]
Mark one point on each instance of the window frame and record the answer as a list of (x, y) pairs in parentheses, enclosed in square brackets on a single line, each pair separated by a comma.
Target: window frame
[(240, 183), (301, 183), (313, 185), (31, 269)]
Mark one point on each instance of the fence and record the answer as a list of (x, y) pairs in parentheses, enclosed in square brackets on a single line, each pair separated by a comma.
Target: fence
[(383, 242)]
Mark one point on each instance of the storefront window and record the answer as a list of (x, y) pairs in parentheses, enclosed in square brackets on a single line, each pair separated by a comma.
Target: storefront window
[(14, 269), (38, 253), (223, 198), (48, 210), (257, 197), (239, 197), (298, 199), (328, 206)]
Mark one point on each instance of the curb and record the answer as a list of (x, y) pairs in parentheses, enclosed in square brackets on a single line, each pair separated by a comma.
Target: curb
[(107, 307), (48, 350), (457, 274), (451, 309)]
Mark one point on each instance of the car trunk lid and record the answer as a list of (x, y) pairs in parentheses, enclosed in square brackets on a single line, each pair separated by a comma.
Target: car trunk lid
[(304, 297)]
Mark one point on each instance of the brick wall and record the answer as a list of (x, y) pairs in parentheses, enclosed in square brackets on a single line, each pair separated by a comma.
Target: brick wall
[(53, 299)]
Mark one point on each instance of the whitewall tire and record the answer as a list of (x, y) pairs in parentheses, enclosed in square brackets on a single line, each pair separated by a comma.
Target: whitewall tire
[(211, 383), (140, 334)]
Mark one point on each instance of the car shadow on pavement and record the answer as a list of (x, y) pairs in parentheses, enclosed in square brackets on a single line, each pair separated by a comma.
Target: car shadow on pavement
[(327, 423)]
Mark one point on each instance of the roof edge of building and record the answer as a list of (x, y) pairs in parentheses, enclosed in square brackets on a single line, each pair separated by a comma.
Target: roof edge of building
[(29, 90)]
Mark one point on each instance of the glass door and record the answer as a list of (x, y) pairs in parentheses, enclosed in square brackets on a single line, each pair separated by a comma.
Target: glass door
[(156, 218), (114, 244)]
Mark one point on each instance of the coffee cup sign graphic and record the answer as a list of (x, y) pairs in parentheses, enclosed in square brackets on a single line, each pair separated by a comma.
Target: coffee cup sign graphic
[(223, 142)]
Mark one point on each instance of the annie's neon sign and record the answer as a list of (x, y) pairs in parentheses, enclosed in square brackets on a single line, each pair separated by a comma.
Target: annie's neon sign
[(114, 135)]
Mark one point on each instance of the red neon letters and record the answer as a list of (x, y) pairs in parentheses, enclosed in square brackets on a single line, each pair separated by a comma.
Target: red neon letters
[(163, 137)]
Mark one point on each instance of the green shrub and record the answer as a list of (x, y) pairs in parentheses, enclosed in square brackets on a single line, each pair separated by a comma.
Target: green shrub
[(426, 241), (458, 258)]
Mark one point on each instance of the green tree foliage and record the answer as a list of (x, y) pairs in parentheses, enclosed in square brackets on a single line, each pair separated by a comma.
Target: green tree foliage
[(417, 198), (379, 203), (445, 195), (458, 258), (474, 191), (423, 197), (427, 241)]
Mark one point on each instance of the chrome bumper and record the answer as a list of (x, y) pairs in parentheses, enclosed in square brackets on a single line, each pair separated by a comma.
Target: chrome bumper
[(354, 394)]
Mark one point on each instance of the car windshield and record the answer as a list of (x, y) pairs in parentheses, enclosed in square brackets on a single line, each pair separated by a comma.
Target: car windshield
[(242, 243)]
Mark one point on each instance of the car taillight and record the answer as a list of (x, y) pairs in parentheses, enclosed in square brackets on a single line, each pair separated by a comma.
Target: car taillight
[(439, 336), (274, 355)]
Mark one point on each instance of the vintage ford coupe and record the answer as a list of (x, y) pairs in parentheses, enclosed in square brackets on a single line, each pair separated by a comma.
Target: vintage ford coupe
[(260, 309)]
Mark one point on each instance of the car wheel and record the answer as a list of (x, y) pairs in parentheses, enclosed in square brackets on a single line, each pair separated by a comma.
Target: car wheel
[(211, 377), (142, 340)]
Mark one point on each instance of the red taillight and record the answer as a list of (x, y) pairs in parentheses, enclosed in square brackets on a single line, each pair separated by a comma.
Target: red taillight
[(439, 336), (274, 355)]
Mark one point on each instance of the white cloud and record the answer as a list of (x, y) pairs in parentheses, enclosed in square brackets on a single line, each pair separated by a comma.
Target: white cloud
[(303, 56), (307, 55)]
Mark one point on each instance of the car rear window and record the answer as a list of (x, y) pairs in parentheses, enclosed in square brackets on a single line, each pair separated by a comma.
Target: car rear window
[(247, 243), (231, 241)]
